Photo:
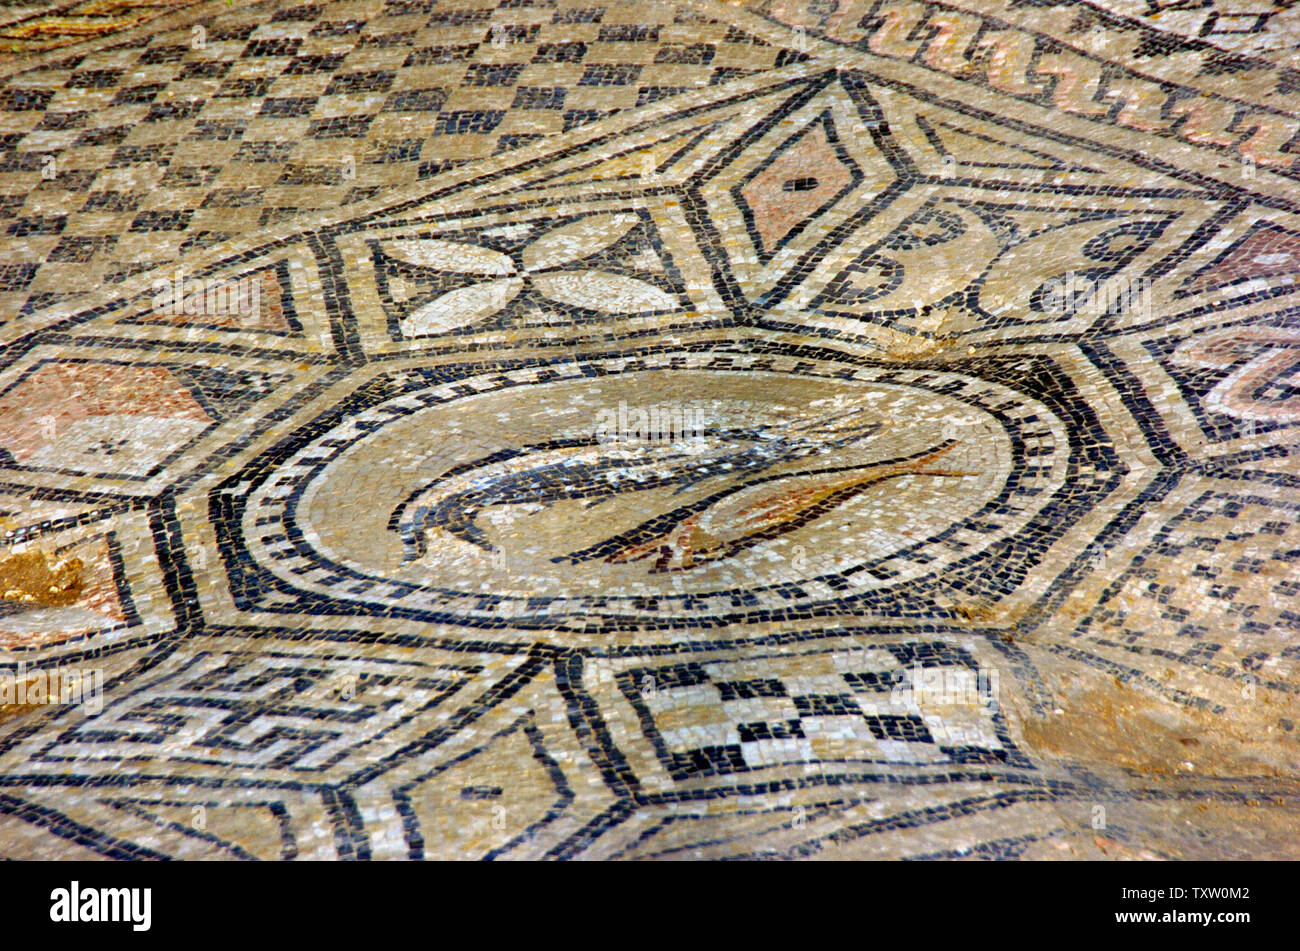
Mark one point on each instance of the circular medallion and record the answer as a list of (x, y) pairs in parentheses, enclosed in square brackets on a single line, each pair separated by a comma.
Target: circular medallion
[(676, 487)]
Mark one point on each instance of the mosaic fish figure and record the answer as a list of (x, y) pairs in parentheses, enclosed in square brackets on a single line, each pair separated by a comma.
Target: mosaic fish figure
[(585, 469), (739, 517)]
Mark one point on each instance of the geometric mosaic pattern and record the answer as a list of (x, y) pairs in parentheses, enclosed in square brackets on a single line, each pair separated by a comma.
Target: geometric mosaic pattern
[(236, 117), (807, 430)]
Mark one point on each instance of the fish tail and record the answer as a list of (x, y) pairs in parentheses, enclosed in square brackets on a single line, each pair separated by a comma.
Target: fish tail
[(460, 525)]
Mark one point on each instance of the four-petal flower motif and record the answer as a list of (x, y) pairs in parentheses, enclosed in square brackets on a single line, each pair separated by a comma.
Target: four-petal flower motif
[(545, 263)]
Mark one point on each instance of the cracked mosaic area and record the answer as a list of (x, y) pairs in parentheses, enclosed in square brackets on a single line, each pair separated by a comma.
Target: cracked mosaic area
[(558, 430)]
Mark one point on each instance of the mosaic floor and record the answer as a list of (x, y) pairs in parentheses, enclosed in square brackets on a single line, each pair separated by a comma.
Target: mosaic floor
[(600, 429)]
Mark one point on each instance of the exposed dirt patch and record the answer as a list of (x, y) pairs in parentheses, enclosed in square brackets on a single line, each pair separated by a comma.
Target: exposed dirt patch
[(1103, 720), (31, 578), (14, 709)]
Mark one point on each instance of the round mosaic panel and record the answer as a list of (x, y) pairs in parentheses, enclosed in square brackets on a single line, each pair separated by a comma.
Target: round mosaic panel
[(594, 500)]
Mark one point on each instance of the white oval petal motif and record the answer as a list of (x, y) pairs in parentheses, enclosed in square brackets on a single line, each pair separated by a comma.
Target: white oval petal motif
[(461, 307), (451, 256), (576, 240), (603, 291)]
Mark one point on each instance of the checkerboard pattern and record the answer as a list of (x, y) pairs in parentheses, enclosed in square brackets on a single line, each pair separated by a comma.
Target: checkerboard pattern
[(124, 158), (1233, 542), (869, 706)]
